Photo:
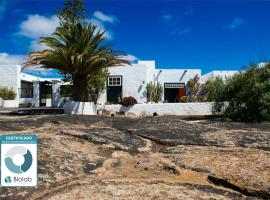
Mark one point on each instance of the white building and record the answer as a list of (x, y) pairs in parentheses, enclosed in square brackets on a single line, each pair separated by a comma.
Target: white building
[(131, 80), (123, 81), (222, 74)]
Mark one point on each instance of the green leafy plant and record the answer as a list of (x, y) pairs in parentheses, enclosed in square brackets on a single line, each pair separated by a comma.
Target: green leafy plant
[(97, 84), (7, 93), (215, 89), (246, 95), (129, 101), (154, 92)]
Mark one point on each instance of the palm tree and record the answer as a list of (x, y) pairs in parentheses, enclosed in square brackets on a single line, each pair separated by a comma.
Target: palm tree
[(79, 51)]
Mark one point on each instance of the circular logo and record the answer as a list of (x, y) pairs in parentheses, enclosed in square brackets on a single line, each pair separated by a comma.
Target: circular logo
[(18, 159), (8, 179)]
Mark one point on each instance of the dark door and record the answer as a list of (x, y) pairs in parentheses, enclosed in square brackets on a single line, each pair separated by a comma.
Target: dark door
[(173, 92), (114, 89), (45, 92)]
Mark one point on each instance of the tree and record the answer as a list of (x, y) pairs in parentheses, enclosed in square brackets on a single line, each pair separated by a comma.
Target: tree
[(97, 84), (79, 51), (74, 12)]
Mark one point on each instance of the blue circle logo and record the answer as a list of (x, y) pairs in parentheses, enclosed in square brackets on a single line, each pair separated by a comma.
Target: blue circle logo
[(18, 150), (8, 179)]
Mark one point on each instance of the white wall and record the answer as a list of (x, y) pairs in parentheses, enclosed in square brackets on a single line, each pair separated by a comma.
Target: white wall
[(135, 78), (133, 81), (10, 77), (183, 109), (222, 74), (174, 76)]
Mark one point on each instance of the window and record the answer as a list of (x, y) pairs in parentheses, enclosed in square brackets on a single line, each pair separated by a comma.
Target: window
[(26, 90), (66, 90), (114, 81)]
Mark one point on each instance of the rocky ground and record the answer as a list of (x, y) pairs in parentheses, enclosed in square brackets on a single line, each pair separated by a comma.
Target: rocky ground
[(98, 157)]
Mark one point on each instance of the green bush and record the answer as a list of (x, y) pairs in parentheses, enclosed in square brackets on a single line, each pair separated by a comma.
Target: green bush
[(247, 95), (7, 94), (97, 84), (128, 101), (215, 89)]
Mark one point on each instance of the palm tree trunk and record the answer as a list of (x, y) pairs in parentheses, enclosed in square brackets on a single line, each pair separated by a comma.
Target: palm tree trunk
[(80, 88)]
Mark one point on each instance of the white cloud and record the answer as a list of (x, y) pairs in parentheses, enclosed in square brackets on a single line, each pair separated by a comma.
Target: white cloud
[(36, 26), (100, 19), (185, 31), (130, 58), (108, 34), (167, 18), (236, 23), (35, 46), (182, 32), (189, 11), (7, 59), (3, 7), (105, 18)]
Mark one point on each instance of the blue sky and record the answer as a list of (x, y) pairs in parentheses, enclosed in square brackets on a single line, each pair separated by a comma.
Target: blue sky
[(211, 35)]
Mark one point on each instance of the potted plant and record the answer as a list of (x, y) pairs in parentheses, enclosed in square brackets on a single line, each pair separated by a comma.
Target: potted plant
[(9, 97), (128, 101)]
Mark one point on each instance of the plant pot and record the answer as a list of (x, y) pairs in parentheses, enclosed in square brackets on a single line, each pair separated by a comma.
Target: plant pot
[(10, 103), (80, 108)]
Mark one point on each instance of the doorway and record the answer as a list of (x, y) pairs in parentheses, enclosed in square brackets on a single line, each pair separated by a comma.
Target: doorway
[(114, 89), (173, 92), (45, 93)]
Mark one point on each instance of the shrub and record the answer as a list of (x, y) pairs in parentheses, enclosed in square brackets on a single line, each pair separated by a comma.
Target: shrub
[(202, 99), (7, 94), (154, 92), (184, 99), (129, 101), (215, 89), (247, 95), (196, 92)]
